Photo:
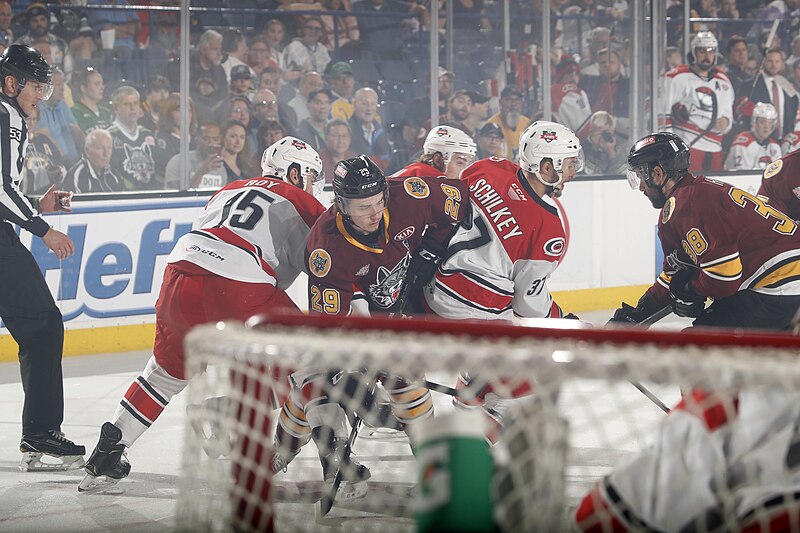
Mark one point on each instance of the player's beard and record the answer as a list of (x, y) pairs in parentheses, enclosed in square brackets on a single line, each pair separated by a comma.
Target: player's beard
[(512, 117), (656, 196)]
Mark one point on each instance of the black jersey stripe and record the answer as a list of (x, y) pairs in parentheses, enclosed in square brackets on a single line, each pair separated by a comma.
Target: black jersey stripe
[(468, 303)]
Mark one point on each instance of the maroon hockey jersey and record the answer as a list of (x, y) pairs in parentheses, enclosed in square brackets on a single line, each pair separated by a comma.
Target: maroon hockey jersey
[(781, 184), (418, 168), (739, 241), (344, 269)]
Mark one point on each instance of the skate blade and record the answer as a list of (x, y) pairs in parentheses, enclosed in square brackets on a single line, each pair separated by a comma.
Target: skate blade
[(96, 484), (383, 434), (40, 462)]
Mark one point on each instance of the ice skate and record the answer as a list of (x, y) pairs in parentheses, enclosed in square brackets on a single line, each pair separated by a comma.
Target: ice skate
[(108, 462), (331, 452), (50, 451)]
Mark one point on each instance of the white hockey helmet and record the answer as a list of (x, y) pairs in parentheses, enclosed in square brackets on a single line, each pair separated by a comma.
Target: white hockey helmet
[(704, 39), (278, 159), (549, 140), (449, 141), (765, 110)]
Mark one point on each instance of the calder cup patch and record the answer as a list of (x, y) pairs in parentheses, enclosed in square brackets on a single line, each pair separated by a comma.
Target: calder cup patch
[(669, 208), (773, 168), (416, 187), (554, 246), (319, 262)]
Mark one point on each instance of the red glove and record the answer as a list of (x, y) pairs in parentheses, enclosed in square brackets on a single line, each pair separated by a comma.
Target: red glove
[(680, 113), (743, 107)]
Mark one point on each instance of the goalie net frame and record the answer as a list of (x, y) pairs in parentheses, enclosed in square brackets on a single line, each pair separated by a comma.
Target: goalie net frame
[(552, 354)]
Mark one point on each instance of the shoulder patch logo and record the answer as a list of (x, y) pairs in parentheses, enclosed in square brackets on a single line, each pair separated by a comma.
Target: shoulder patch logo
[(416, 187), (405, 233), (554, 246), (319, 262), (669, 208), (773, 168)]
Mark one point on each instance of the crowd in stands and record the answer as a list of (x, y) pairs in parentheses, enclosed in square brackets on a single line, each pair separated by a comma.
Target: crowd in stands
[(352, 77)]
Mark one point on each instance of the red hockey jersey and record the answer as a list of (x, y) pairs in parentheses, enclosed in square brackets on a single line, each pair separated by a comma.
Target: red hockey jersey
[(341, 266), (498, 265)]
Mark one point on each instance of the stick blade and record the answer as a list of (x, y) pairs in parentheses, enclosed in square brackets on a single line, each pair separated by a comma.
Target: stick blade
[(323, 507)]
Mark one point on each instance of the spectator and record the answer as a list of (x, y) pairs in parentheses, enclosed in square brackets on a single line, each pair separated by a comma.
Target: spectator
[(796, 74), (738, 54), (312, 129), (205, 163), (156, 92), (479, 113), (672, 57), (67, 19), (338, 30), (306, 53), (82, 46), (37, 18), (755, 149), (275, 32), (93, 172), (343, 86), (311, 81), (792, 59), (168, 130), (270, 132), (266, 107), (56, 117), (6, 33), (599, 38), (206, 102), (770, 86), (133, 146), (241, 81), (511, 120), (234, 135), (698, 104), (91, 111), (205, 65), (367, 134), (234, 50), (490, 141), (380, 32), (239, 109), (603, 154), (459, 111), (610, 90), (270, 78), (44, 163), (125, 23), (419, 110), (337, 146), (570, 104), (258, 57)]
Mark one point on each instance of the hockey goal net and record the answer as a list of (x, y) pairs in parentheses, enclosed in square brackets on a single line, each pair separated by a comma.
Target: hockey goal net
[(583, 419)]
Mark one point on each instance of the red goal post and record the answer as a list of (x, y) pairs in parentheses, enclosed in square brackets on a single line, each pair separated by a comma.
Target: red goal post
[(581, 379)]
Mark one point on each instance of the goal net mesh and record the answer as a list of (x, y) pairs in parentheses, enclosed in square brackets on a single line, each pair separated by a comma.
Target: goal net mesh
[(579, 418)]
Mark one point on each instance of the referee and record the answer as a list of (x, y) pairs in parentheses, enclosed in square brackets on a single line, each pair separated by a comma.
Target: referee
[(26, 306)]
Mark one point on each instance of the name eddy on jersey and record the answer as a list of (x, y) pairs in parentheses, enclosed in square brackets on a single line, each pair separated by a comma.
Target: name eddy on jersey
[(494, 206)]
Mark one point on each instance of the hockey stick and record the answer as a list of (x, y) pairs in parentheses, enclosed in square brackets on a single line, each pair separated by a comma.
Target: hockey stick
[(712, 121), (324, 505)]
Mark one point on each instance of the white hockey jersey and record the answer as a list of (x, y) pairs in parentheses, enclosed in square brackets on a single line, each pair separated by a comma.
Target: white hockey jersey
[(791, 142), (746, 153), (704, 99), (497, 266), (571, 105), (253, 231)]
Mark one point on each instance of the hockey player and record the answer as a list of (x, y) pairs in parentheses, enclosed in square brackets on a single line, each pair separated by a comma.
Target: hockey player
[(366, 253), (755, 149), (699, 103), (446, 151), (780, 183), (570, 103), (497, 266), (721, 242), (239, 256), (27, 307)]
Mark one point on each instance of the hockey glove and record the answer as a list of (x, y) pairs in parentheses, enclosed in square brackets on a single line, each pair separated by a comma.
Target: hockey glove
[(680, 113), (627, 314), (683, 299)]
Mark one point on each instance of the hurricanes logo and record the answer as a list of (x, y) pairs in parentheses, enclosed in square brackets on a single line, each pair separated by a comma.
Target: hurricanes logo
[(340, 171), (386, 290), (300, 145), (644, 142), (416, 187), (549, 136), (554, 246), (319, 263), (441, 132)]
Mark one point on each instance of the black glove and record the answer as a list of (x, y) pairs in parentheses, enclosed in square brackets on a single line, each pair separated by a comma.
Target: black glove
[(683, 299), (680, 113), (627, 314), (422, 267)]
